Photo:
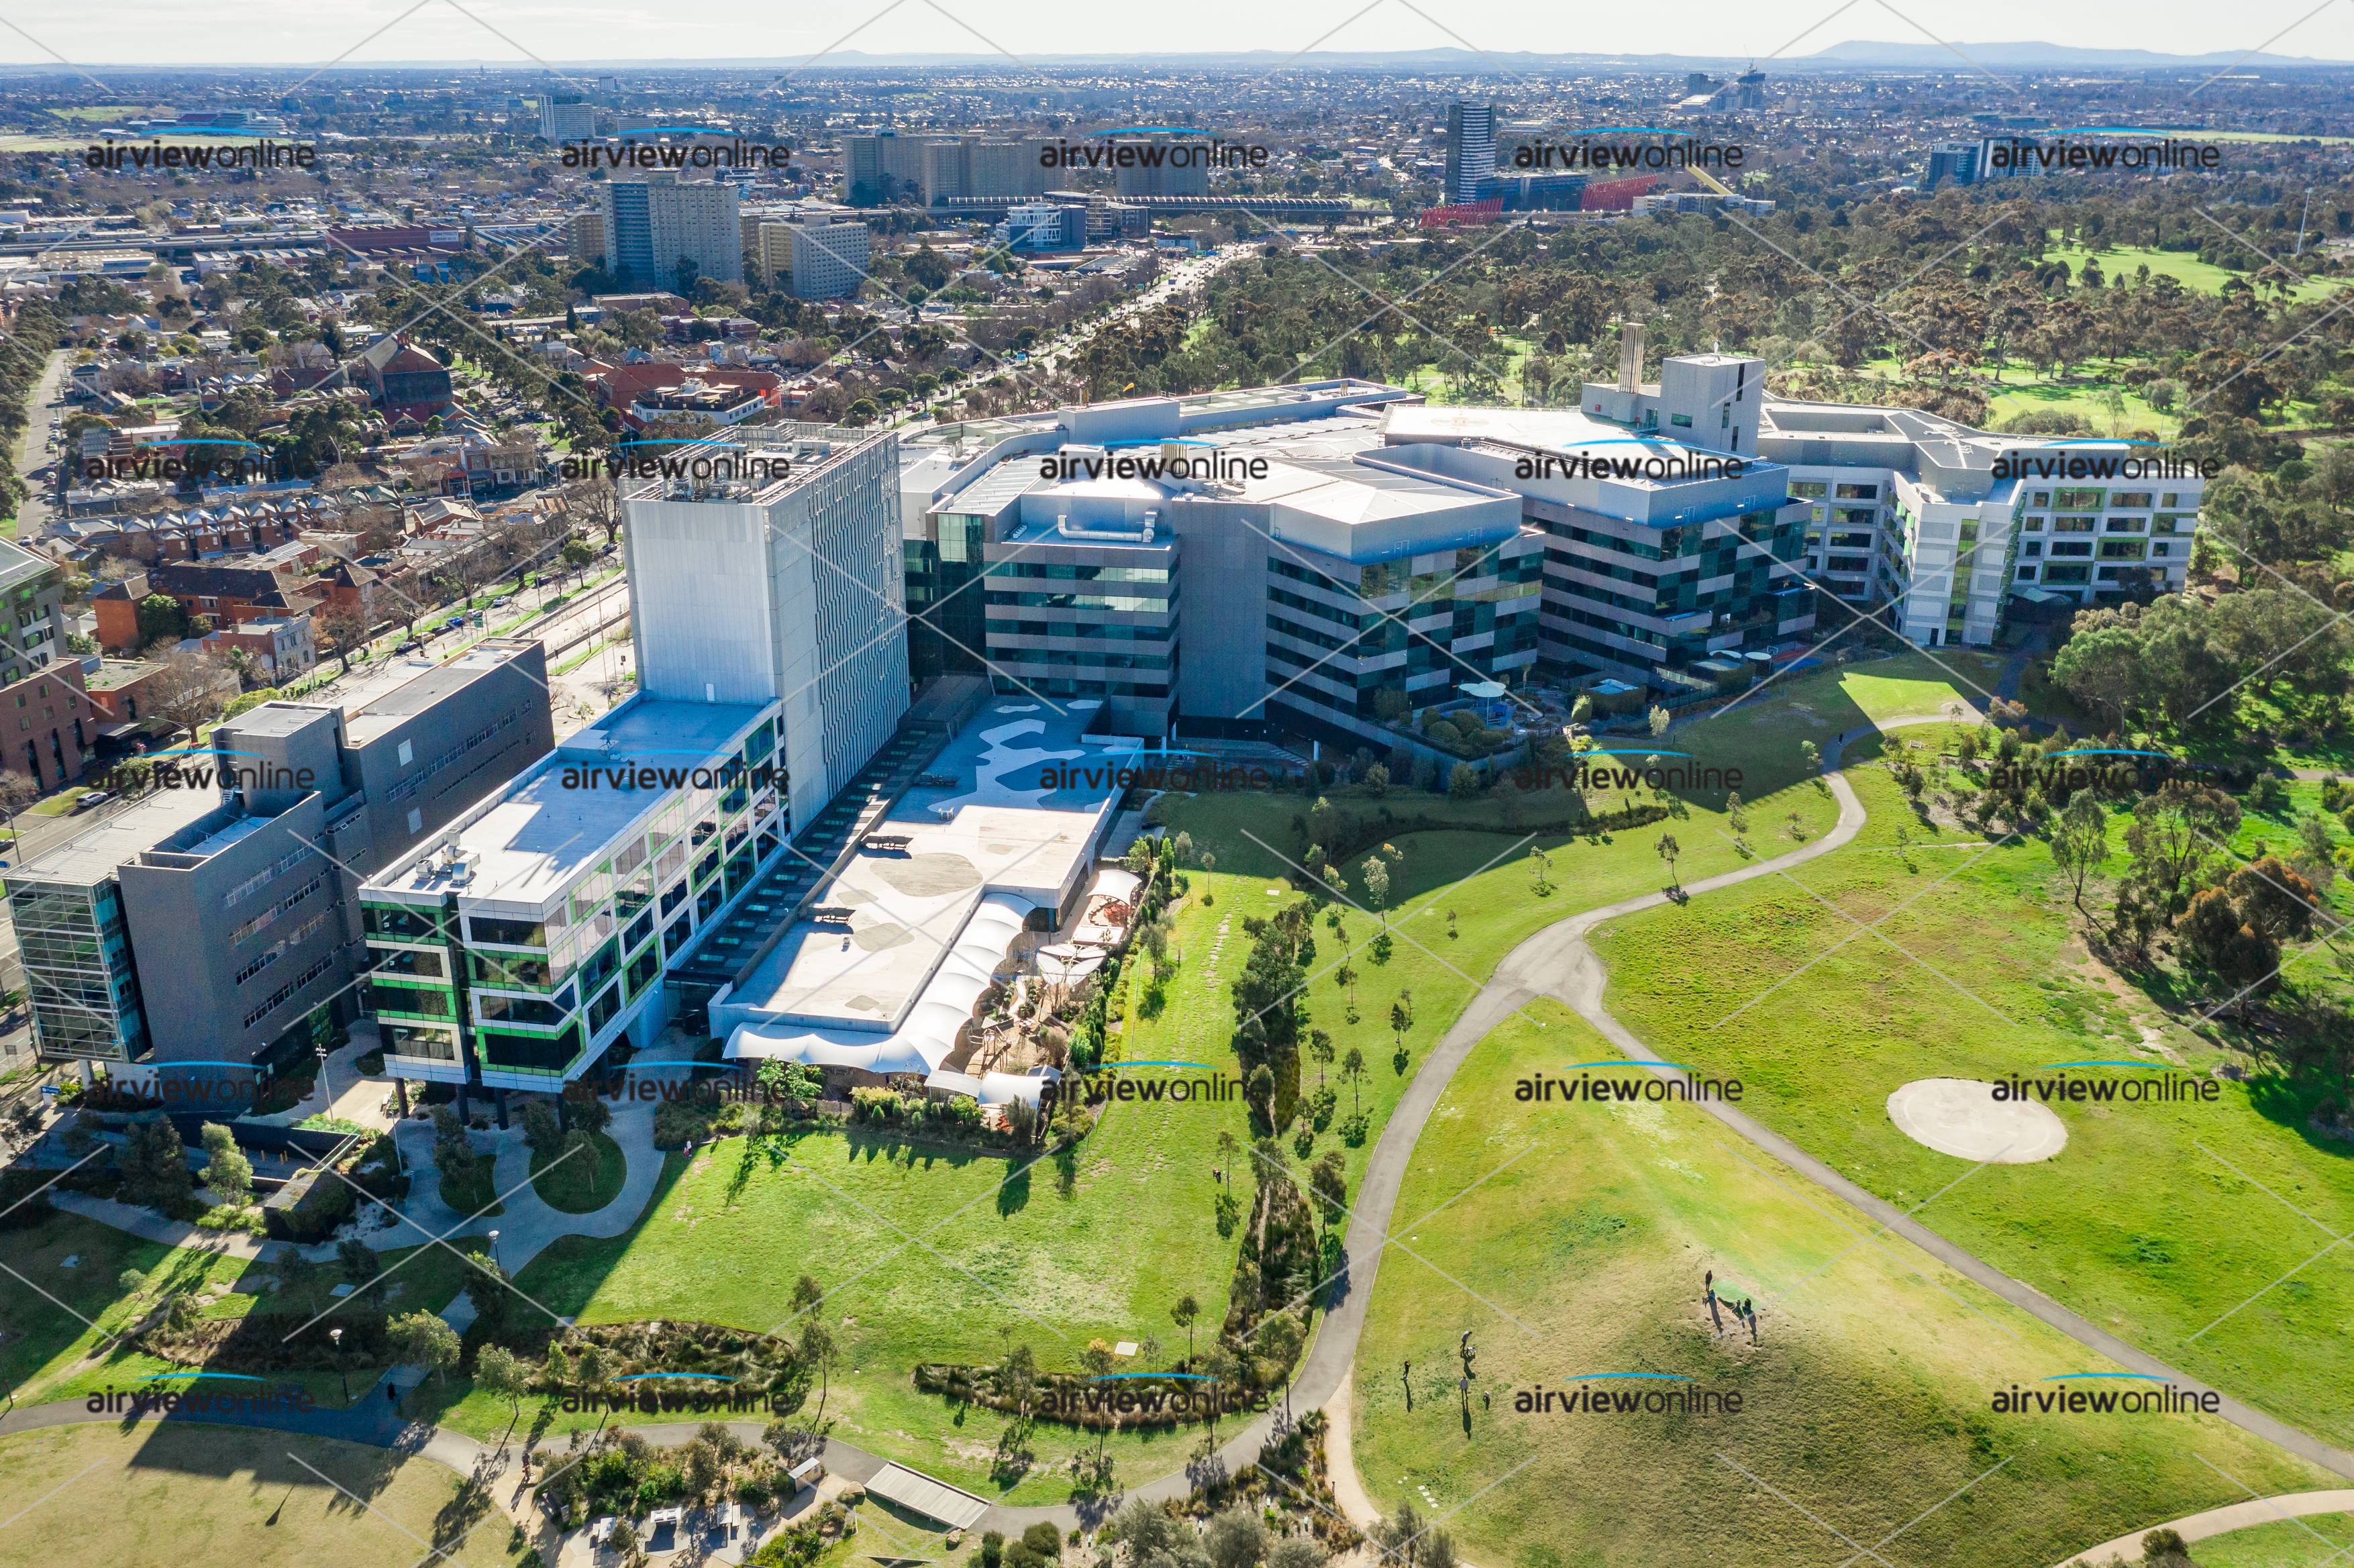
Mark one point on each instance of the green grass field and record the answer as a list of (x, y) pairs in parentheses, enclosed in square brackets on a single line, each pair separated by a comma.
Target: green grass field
[(564, 1181), (476, 1193), (2183, 266), (1098, 1244), (1571, 1240), (2286, 1543), (2154, 1221), (213, 1497)]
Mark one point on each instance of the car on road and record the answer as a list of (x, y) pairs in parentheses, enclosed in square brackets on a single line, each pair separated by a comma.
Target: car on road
[(92, 800), (413, 645), (500, 602)]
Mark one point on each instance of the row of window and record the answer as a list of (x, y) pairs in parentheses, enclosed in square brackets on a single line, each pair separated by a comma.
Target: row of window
[(278, 997), (261, 879), (260, 922)]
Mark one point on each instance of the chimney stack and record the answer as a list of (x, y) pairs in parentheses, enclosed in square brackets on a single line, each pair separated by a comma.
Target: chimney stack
[(1631, 357)]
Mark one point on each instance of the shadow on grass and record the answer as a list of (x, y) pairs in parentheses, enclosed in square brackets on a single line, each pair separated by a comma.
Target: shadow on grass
[(567, 1274)]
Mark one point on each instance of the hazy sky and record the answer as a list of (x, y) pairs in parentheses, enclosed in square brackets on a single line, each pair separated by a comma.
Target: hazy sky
[(522, 32)]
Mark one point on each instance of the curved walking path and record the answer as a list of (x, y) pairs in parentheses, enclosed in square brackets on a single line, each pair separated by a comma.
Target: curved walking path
[(2197, 1527), (1558, 963), (1580, 981)]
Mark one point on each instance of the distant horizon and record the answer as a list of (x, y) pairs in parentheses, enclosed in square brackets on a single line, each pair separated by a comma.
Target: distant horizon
[(45, 37), (1961, 58)]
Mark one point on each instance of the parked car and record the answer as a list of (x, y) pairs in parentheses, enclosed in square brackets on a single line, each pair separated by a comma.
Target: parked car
[(92, 800), (412, 646)]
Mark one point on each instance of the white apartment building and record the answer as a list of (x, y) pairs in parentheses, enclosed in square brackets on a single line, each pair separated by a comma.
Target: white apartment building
[(653, 222), (829, 260)]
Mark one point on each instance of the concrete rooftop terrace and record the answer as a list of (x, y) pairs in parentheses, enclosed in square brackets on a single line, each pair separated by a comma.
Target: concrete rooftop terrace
[(566, 811), (1009, 824), (91, 855)]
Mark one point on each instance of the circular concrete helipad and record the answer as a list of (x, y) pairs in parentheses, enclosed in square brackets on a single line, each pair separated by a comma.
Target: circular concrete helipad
[(1960, 1116)]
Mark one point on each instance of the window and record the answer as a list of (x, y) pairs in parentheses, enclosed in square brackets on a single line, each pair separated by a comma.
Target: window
[(1681, 420), (410, 962), (417, 1040), (417, 1001), (1858, 492), (530, 1053), (508, 969), (601, 1011), (603, 962), (507, 932), (494, 1009)]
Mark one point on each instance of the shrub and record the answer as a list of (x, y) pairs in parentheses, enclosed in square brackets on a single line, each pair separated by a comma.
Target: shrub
[(675, 1121)]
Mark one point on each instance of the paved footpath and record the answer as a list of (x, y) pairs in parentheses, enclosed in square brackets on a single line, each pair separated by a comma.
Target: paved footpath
[(2197, 1527)]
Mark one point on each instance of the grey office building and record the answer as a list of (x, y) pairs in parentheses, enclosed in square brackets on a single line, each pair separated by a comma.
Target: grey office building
[(211, 931)]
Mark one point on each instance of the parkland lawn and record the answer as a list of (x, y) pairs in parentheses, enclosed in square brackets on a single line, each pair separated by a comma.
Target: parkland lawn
[(2198, 1230), (2285, 1544), (1571, 1241), (220, 1497)]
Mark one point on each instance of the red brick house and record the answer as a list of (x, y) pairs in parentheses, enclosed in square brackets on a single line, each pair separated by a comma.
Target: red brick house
[(47, 726)]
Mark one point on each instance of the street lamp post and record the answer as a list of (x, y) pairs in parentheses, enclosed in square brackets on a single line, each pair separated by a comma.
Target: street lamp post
[(325, 1087), (335, 1336)]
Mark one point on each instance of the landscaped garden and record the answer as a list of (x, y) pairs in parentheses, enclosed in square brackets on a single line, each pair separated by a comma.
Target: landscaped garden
[(98, 1309)]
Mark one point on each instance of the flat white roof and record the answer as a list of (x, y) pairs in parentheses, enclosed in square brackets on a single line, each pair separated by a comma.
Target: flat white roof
[(1006, 830), (568, 811)]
